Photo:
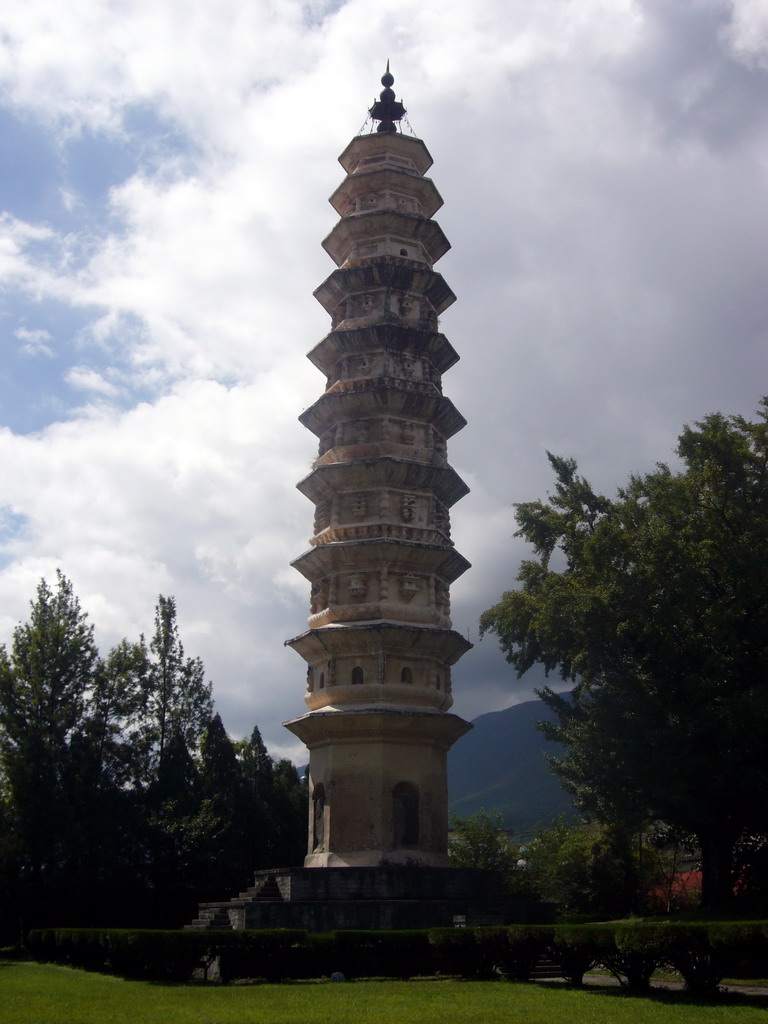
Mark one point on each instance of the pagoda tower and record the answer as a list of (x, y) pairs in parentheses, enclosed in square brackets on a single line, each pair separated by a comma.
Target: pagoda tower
[(380, 647)]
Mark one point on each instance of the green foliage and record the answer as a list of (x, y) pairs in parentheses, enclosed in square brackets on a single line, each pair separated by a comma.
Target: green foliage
[(44, 685), (577, 948), (657, 606), (521, 950), (588, 871), (480, 841), (122, 800), (372, 954), (634, 958), (273, 954), (490, 952), (177, 697), (702, 953), (459, 953)]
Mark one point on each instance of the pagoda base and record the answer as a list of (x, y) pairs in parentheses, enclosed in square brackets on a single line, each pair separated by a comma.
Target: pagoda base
[(376, 898)]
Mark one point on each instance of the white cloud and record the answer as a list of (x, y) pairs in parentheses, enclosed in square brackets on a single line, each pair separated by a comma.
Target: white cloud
[(604, 168), (83, 378), (748, 31), (35, 341)]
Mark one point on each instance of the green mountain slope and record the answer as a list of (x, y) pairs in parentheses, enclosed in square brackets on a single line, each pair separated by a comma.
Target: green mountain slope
[(500, 765)]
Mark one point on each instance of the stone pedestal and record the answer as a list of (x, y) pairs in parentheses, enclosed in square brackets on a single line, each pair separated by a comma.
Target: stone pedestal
[(385, 897)]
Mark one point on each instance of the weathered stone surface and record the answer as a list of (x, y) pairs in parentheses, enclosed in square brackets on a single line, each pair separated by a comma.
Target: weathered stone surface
[(389, 896), (380, 647)]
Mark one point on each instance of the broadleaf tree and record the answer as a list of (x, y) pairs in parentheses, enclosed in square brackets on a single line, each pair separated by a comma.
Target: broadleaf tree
[(656, 609), (481, 841)]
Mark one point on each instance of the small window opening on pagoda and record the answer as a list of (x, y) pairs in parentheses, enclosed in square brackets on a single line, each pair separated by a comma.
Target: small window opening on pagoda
[(406, 676), (357, 675)]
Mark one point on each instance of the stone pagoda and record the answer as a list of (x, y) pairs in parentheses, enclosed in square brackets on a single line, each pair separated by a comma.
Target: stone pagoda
[(380, 647)]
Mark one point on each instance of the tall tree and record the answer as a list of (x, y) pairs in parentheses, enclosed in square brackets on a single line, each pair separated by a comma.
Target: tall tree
[(44, 689), (177, 698), (657, 608)]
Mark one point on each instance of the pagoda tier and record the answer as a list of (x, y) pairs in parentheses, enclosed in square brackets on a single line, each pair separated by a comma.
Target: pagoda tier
[(380, 647), (329, 355)]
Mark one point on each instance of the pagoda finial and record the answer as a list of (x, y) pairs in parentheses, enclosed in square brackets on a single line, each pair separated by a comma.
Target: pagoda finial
[(387, 110)]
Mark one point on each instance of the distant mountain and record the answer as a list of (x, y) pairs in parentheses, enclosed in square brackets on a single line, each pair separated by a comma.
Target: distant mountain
[(500, 766)]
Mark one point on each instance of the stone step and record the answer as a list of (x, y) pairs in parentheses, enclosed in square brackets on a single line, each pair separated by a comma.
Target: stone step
[(546, 970)]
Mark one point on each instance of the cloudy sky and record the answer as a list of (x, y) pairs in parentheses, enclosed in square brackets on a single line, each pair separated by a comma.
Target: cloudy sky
[(164, 175)]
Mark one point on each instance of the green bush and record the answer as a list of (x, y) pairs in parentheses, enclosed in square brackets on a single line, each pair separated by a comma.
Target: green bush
[(155, 955), (703, 953), (388, 954), (41, 945), (521, 950), (273, 954), (634, 958), (456, 952), (577, 948), (78, 947), (147, 955)]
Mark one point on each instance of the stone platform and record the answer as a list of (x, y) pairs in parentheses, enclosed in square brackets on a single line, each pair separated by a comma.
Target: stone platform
[(384, 897)]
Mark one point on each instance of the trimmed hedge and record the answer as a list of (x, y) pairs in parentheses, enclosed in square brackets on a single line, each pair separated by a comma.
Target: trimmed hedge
[(371, 954), (634, 957), (702, 953), (133, 953), (578, 948), (273, 954)]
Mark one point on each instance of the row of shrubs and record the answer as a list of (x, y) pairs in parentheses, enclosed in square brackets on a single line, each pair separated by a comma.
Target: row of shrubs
[(702, 953)]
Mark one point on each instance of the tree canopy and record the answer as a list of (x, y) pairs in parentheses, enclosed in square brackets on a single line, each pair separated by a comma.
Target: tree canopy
[(655, 605), (122, 798), (481, 841)]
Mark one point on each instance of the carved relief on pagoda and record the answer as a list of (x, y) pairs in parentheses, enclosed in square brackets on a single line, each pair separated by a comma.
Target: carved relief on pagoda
[(424, 387), (440, 518), (381, 513), (404, 248), (360, 308), (388, 200), (380, 366), (322, 516), (372, 594), (360, 678), (409, 440)]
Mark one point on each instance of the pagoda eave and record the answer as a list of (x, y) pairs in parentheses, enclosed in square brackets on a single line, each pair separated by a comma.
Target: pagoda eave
[(445, 645), (364, 555), (380, 399), (398, 474), (320, 728), (395, 337), (409, 228), (395, 182), (403, 152), (391, 273)]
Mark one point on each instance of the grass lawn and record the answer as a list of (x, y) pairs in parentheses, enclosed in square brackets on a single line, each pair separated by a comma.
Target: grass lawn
[(33, 993)]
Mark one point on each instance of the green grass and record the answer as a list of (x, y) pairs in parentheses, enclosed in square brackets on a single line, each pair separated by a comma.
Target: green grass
[(33, 993)]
